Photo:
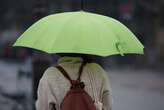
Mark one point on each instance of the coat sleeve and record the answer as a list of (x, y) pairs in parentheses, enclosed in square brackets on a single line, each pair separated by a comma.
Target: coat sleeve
[(107, 93), (44, 100)]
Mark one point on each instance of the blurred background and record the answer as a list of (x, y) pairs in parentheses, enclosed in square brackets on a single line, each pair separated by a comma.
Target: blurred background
[(137, 80)]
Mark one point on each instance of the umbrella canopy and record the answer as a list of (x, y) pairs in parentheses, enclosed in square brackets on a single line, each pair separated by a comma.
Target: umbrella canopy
[(80, 32)]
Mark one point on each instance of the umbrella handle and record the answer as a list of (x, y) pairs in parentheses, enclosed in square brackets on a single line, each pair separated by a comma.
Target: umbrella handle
[(119, 48), (82, 4)]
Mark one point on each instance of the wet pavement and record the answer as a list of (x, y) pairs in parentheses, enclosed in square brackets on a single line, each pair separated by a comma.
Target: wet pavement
[(137, 89), (131, 89)]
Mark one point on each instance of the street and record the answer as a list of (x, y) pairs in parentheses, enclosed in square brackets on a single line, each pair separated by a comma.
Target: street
[(137, 90)]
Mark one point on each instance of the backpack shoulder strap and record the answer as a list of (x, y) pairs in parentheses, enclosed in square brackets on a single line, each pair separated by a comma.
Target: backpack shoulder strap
[(64, 72), (80, 70)]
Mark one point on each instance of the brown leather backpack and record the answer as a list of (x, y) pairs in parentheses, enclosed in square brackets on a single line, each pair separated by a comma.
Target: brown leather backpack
[(76, 98)]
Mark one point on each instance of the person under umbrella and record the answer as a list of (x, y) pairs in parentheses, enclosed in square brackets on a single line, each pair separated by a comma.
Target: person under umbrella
[(77, 83), (53, 86)]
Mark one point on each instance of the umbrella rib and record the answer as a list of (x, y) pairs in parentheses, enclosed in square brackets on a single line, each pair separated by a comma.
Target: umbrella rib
[(40, 37), (105, 26), (91, 19), (118, 38), (60, 31)]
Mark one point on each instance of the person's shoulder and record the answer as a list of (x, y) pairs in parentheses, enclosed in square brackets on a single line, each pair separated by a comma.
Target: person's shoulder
[(50, 71), (97, 69), (96, 66), (93, 64)]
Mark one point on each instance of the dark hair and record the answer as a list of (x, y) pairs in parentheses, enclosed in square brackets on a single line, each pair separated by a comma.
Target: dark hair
[(87, 58)]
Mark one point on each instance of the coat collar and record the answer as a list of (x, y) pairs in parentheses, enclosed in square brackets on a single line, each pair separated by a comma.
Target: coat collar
[(70, 60)]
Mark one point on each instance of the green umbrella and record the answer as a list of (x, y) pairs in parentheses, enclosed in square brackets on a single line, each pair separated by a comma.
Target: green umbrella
[(80, 32)]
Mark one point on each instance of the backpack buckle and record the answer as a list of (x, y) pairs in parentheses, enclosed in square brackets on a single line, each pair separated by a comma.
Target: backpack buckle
[(77, 84)]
